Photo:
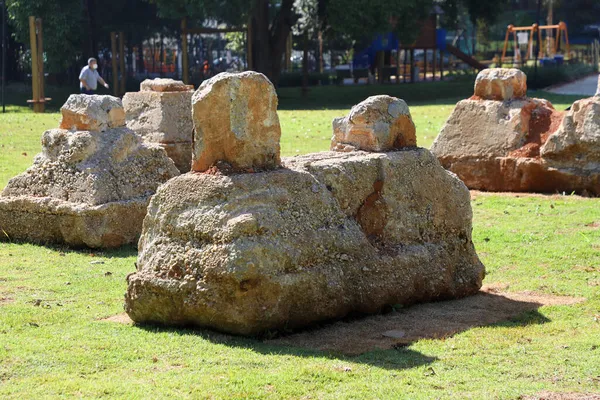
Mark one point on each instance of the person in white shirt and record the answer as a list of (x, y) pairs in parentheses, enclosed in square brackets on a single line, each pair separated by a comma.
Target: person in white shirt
[(89, 78)]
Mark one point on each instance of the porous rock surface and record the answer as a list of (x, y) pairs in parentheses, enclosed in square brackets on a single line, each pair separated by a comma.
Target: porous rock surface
[(380, 123), (92, 113), (501, 84), (329, 234), (86, 188), (235, 121), (162, 113), (522, 145), (164, 85)]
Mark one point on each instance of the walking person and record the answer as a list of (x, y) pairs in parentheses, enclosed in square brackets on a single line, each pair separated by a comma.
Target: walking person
[(89, 77)]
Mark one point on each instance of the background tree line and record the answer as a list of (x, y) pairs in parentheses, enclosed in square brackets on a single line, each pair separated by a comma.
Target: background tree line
[(77, 29)]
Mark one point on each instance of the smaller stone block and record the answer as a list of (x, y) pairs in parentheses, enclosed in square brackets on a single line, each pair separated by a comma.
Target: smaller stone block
[(235, 121), (92, 113), (380, 123), (501, 84), (164, 85)]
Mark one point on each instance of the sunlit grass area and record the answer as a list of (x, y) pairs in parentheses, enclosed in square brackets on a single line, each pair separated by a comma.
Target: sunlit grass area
[(54, 341)]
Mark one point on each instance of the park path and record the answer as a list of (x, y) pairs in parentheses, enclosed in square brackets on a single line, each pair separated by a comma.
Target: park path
[(586, 86)]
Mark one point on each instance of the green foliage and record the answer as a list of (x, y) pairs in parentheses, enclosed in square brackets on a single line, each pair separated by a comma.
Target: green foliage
[(233, 12), (360, 18), (61, 28), (291, 79), (236, 42), (486, 11)]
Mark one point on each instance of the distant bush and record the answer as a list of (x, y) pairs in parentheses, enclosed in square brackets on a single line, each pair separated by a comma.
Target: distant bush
[(555, 74), (294, 79)]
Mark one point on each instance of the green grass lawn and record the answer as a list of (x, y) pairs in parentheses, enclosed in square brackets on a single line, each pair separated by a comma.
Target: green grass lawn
[(53, 342)]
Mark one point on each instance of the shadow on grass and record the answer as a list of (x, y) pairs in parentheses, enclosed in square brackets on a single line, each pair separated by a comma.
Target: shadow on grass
[(382, 340), (125, 251)]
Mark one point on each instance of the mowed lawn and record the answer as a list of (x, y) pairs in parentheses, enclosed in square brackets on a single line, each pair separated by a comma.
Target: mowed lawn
[(54, 341)]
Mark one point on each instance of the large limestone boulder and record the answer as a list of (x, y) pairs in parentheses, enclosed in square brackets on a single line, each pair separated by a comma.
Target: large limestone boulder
[(86, 188), (326, 235), (235, 121), (380, 123), (332, 233), (522, 145), (162, 113), (501, 84)]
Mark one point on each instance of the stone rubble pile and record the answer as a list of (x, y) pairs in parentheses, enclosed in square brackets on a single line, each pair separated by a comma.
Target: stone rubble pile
[(91, 183)]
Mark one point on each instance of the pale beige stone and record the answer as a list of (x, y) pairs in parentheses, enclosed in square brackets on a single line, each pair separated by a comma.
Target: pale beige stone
[(380, 123), (164, 118), (92, 113), (235, 121), (164, 85), (501, 84)]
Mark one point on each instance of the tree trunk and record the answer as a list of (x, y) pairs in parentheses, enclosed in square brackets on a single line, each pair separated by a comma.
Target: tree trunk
[(90, 13), (269, 39), (305, 64)]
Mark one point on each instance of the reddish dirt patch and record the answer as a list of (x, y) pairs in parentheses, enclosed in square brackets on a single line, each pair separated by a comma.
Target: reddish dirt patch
[(424, 321), (543, 122), (371, 214), (562, 396)]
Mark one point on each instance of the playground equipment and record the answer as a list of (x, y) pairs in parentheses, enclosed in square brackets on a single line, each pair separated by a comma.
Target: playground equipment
[(37, 65), (559, 29)]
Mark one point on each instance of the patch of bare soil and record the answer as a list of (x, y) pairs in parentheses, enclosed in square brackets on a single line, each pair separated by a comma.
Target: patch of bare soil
[(562, 396), (119, 318), (5, 300), (424, 321)]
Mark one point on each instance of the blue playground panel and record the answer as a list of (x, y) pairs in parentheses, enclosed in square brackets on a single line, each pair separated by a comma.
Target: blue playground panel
[(388, 42)]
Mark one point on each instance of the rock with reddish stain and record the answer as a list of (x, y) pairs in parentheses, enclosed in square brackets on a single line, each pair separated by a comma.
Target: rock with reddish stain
[(83, 112), (501, 84), (329, 234), (86, 188), (235, 121), (380, 123), (522, 145)]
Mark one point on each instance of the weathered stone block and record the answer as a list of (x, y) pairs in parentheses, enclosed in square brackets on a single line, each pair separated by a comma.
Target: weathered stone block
[(380, 123), (235, 121), (523, 145), (92, 113), (164, 118), (164, 85), (501, 84)]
